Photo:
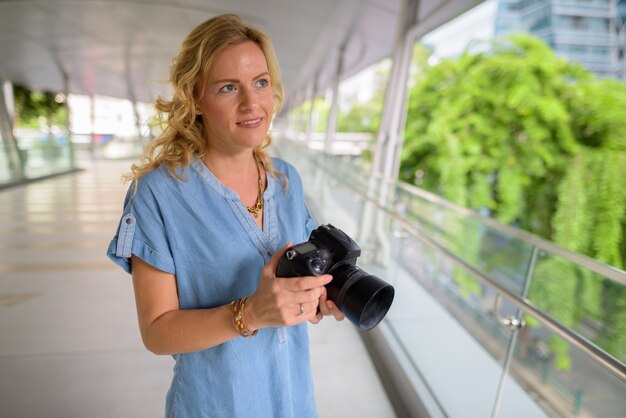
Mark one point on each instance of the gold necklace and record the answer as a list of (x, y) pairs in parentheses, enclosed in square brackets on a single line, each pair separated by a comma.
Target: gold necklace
[(254, 209)]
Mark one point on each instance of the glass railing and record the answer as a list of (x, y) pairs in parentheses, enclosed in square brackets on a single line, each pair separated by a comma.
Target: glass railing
[(38, 155), (494, 321), (35, 156), (109, 146)]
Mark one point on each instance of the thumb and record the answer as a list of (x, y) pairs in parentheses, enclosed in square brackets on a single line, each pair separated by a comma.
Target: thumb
[(273, 263)]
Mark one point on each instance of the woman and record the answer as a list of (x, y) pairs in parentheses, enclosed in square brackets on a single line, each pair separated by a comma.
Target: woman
[(204, 225)]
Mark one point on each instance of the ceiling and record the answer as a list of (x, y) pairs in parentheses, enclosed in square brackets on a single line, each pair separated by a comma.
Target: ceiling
[(123, 48)]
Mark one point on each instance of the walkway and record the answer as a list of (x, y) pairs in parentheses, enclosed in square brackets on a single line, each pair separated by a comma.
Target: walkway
[(70, 345)]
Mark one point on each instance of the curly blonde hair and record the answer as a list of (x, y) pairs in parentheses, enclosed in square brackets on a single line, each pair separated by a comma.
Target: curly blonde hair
[(184, 132)]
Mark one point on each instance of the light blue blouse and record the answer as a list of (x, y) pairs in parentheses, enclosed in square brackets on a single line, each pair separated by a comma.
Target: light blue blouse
[(199, 230)]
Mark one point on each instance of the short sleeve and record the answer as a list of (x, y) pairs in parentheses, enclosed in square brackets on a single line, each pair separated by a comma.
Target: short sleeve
[(310, 223), (296, 182), (142, 232)]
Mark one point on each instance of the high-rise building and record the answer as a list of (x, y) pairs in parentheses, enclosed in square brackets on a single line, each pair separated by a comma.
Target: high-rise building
[(583, 31), (620, 28)]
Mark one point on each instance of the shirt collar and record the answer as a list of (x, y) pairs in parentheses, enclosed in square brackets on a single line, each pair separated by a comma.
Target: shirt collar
[(220, 188)]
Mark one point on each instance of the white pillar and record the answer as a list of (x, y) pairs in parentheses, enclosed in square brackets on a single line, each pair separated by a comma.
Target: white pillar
[(309, 126), (68, 127), (16, 168), (374, 232), (331, 125), (138, 124), (9, 99), (92, 125), (391, 132)]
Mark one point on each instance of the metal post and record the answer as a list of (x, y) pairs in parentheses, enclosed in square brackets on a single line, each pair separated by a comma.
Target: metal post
[(578, 402), (518, 324)]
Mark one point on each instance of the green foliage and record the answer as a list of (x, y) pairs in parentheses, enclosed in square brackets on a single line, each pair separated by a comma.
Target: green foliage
[(613, 339), (301, 116), (554, 276), (364, 116), (33, 107), (537, 142), (321, 107), (301, 113), (491, 117), (466, 283), (469, 238)]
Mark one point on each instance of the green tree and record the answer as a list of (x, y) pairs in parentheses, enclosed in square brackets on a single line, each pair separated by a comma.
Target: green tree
[(321, 108), (362, 117), (537, 142), (365, 116), (33, 105)]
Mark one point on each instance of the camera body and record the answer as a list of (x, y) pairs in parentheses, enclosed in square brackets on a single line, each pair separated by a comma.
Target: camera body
[(363, 298), (326, 246)]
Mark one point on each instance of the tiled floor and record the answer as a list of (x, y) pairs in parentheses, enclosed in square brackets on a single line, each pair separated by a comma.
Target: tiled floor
[(69, 343)]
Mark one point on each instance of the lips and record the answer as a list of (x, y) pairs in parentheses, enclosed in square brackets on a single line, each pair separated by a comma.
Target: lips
[(250, 122)]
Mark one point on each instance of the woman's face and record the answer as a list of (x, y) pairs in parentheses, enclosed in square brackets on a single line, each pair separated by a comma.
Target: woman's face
[(238, 101)]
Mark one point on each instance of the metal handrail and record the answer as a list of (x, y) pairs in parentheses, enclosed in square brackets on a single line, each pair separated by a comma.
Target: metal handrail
[(609, 272), (606, 360)]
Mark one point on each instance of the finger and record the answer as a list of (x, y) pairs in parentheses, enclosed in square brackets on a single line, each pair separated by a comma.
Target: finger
[(306, 312), (316, 319), (273, 263), (339, 316), (323, 309), (298, 284), (300, 309), (311, 296)]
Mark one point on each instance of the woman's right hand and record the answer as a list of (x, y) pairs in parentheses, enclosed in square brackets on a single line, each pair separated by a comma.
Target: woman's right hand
[(281, 301)]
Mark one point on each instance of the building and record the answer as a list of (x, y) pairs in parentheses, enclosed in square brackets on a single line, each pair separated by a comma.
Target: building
[(583, 31), (621, 38)]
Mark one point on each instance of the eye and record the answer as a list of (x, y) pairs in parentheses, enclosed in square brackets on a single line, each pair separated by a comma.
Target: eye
[(262, 83), (228, 88)]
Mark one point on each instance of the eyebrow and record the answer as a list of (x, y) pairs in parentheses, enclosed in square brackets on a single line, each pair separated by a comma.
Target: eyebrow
[(234, 80)]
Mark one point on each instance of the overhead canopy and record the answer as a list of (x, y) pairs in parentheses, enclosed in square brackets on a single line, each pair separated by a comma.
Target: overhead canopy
[(123, 48)]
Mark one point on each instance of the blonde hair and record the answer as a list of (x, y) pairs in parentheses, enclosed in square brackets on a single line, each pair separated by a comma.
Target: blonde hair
[(184, 132)]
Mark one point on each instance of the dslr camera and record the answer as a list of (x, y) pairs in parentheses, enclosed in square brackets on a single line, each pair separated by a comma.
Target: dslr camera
[(363, 298)]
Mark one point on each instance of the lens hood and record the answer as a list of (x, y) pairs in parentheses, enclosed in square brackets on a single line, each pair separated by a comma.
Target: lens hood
[(362, 297)]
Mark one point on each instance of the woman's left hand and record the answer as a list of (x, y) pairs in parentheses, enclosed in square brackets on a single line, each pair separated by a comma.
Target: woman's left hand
[(326, 308)]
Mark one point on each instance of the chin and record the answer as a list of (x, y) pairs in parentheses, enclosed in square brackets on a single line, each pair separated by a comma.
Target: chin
[(253, 141)]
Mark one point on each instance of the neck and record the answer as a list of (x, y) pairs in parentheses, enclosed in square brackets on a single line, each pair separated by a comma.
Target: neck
[(231, 166)]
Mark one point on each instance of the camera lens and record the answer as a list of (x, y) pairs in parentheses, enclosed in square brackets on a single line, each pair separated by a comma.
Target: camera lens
[(362, 297), (317, 266)]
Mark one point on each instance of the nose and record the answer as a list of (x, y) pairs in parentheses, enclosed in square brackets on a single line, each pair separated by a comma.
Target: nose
[(248, 98)]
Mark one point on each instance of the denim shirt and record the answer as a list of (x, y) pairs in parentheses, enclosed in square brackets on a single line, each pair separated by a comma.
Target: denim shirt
[(198, 230)]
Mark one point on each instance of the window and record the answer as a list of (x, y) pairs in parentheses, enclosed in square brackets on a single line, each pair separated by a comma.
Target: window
[(578, 23)]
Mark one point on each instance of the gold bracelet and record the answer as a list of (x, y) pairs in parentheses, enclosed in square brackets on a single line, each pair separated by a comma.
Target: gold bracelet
[(238, 318)]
